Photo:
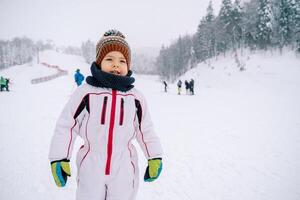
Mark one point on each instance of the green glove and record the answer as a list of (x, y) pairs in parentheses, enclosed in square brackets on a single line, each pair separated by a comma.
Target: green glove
[(153, 170), (60, 171)]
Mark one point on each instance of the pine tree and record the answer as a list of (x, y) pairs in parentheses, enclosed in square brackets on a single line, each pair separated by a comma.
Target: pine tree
[(88, 51), (264, 26), (225, 12), (296, 9), (249, 19), (209, 13), (223, 26), (205, 41), (236, 23), (284, 12)]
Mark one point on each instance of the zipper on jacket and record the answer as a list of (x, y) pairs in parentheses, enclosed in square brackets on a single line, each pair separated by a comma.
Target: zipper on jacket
[(121, 112), (111, 131), (103, 110)]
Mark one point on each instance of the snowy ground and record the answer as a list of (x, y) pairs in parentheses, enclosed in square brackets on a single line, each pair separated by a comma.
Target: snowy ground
[(237, 138)]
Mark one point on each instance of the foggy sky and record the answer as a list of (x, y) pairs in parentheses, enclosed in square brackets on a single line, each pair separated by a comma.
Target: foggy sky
[(145, 23)]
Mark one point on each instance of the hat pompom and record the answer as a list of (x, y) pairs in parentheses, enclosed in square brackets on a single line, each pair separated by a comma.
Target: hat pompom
[(114, 32)]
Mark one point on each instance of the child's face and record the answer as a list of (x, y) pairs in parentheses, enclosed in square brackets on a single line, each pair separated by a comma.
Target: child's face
[(115, 63)]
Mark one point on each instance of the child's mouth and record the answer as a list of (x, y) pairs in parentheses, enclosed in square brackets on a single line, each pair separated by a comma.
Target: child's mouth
[(115, 72)]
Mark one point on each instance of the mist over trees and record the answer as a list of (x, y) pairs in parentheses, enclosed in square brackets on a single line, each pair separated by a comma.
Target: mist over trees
[(21, 50), (15, 52), (255, 25)]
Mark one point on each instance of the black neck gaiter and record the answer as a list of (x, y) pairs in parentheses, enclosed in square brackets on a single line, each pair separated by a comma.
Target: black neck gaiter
[(107, 80)]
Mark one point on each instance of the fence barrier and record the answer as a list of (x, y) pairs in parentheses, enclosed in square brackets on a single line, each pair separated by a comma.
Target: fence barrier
[(60, 72)]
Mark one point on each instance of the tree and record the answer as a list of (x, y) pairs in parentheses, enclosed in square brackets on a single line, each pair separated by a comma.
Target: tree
[(224, 34), (296, 9), (264, 25), (204, 40), (236, 24), (88, 49)]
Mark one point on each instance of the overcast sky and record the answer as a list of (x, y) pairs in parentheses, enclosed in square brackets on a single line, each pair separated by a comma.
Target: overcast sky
[(145, 23)]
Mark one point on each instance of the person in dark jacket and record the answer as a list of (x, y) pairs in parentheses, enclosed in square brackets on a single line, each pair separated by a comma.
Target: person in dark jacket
[(78, 77), (192, 86), (187, 86), (166, 86), (6, 84), (179, 84)]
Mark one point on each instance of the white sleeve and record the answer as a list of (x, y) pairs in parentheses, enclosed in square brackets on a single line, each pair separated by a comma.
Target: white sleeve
[(67, 128), (146, 136)]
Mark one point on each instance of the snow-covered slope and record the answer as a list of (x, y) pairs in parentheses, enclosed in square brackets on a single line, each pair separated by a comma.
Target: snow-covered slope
[(237, 138)]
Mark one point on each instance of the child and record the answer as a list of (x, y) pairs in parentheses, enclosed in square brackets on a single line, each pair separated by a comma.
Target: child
[(107, 113), (78, 77)]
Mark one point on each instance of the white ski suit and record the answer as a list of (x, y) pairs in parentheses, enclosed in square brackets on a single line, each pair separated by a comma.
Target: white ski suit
[(107, 120)]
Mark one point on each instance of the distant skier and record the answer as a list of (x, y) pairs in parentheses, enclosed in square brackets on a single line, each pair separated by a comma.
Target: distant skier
[(4, 83), (78, 77), (179, 84), (192, 86), (166, 86), (187, 87)]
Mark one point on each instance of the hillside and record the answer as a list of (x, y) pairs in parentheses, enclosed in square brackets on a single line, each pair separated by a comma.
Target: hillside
[(236, 138)]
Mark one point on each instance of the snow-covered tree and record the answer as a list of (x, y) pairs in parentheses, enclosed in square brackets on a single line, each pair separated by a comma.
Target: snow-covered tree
[(88, 49), (285, 22), (223, 27), (16, 52), (264, 25), (296, 9), (249, 19), (236, 24), (225, 14), (204, 40)]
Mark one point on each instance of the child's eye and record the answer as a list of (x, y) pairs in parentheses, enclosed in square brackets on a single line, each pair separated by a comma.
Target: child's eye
[(123, 61), (108, 59)]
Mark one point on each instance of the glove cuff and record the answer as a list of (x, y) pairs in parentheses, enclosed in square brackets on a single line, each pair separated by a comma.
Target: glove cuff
[(155, 159), (62, 160)]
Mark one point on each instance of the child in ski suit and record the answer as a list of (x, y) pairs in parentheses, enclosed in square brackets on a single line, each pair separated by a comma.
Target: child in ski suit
[(107, 113)]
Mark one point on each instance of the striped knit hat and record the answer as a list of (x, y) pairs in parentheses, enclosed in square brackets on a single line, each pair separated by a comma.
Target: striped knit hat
[(112, 40)]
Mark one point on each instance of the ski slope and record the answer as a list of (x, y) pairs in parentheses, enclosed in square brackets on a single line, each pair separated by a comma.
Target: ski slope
[(236, 138)]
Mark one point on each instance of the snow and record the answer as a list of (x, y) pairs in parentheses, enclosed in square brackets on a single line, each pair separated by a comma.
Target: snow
[(236, 138)]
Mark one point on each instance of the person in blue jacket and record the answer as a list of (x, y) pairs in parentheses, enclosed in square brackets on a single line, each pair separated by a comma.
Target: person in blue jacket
[(78, 77)]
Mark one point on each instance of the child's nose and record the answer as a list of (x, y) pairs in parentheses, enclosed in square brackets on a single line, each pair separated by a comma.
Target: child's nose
[(116, 64)]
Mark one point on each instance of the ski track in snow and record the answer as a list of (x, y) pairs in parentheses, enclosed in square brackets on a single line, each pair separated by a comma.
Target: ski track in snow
[(237, 138)]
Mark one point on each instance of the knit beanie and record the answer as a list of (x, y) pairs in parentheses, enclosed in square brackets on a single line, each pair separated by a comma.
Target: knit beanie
[(112, 40)]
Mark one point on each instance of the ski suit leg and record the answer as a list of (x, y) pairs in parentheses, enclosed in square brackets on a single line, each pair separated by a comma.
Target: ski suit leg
[(124, 184), (90, 178)]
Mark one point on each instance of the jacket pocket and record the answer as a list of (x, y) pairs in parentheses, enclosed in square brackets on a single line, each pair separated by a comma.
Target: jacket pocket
[(103, 114), (121, 112)]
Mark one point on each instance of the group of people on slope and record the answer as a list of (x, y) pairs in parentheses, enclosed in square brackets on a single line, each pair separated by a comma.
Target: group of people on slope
[(4, 84), (189, 86)]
